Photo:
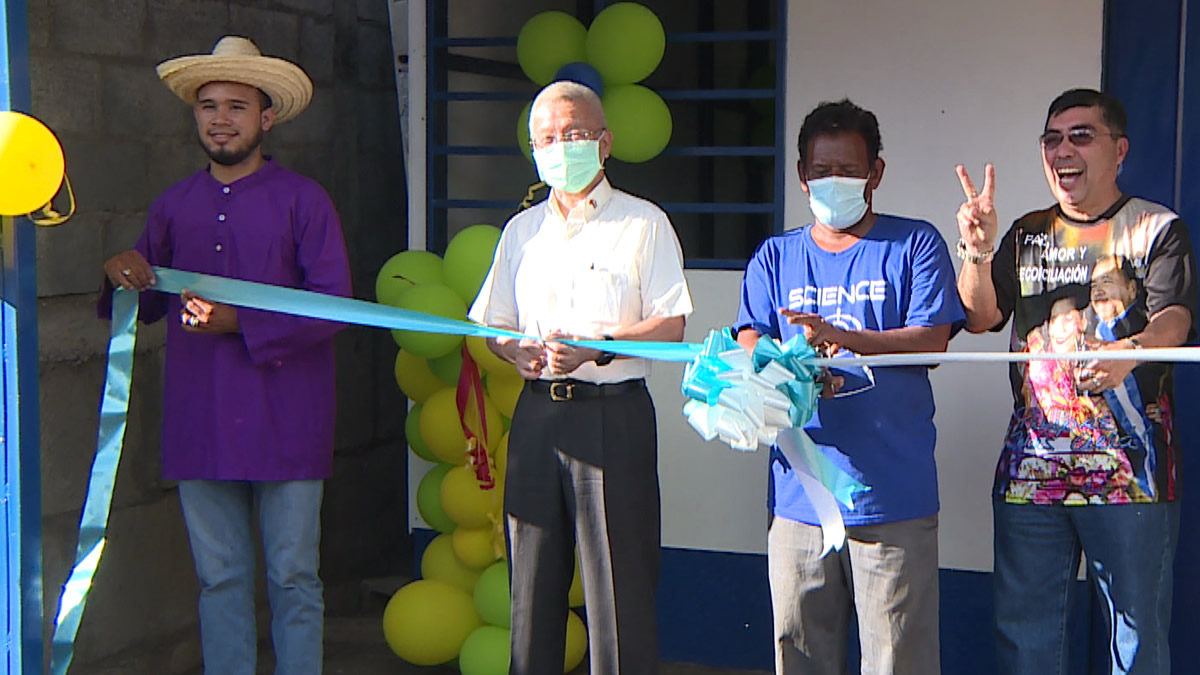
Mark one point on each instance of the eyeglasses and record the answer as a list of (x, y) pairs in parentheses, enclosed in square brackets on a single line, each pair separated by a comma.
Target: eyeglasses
[(567, 137), (1080, 137)]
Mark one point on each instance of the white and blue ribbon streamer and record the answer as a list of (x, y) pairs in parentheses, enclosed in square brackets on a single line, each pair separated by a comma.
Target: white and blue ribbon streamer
[(94, 521)]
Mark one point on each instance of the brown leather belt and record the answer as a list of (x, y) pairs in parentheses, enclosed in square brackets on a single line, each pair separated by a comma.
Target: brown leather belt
[(568, 390)]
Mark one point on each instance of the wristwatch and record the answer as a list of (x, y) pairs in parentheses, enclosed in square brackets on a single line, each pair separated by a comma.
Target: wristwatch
[(974, 258), (605, 358), (1134, 342)]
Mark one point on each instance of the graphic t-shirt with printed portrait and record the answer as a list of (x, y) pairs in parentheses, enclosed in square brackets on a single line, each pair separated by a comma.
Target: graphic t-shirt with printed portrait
[(1072, 286)]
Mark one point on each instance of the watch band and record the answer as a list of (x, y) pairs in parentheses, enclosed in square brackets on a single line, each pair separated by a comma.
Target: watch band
[(974, 258), (605, 358)]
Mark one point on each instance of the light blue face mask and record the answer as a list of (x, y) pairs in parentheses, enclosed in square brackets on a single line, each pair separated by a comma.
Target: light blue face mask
[(838, 201), (569, 166)]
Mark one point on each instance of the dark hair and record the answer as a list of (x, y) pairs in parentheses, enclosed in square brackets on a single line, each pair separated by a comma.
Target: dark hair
[(1111, 110), (836, 118), (1079, 296), (264, 99)]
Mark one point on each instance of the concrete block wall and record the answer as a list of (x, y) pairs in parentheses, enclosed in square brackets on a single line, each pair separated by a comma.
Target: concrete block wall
[(126, 139)]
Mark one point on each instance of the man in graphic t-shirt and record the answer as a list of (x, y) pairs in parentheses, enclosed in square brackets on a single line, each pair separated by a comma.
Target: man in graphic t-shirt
[(856, 282), (1089, 462)]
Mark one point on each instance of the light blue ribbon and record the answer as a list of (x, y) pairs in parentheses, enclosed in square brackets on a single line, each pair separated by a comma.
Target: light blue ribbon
[(94, 521), (363, 313)]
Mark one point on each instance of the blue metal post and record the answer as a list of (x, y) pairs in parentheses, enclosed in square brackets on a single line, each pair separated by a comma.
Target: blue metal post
[(21, 561)]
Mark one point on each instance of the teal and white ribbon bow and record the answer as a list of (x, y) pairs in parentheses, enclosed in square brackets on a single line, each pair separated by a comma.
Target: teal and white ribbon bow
[(766, 398)]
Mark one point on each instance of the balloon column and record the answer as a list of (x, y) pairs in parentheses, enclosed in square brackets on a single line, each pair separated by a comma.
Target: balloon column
[(623, 46), (459, 609)]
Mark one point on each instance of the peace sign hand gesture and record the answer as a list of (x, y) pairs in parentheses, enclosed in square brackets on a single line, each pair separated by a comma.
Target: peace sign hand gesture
[(977, 221)]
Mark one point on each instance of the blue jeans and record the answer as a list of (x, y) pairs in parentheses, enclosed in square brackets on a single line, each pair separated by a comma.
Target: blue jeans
[(218, 516), (1130, 551)]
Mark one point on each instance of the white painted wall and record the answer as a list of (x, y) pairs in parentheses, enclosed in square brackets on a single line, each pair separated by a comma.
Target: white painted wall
[(951, 82), (713, 497)]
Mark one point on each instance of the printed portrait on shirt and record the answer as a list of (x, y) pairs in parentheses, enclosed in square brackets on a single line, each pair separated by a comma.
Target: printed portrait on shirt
[(1116, 305), (1053, 386), (1082, 286)]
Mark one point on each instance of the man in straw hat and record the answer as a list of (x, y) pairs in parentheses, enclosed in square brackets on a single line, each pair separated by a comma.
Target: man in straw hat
[(249, 400)]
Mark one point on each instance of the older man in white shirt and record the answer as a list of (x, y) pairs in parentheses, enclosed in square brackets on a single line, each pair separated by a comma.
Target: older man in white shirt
[(590, 262)]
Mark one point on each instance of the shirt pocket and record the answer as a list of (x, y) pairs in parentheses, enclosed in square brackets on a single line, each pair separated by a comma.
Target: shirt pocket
[(599, 295)]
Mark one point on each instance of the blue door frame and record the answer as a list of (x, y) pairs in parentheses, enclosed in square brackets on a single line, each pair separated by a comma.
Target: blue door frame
[(1152, 63), (21, 562)]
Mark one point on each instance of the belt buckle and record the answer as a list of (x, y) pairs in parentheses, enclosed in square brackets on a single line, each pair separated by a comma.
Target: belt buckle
[(567, 390)]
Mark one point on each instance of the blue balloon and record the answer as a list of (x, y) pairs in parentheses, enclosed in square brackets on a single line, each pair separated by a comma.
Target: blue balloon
[(583, 74)]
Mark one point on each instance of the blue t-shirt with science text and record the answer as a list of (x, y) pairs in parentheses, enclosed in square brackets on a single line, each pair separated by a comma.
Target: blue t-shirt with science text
[(879, 428)]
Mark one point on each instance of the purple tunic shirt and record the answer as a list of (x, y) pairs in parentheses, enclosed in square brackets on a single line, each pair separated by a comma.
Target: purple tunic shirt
[(258, 405)]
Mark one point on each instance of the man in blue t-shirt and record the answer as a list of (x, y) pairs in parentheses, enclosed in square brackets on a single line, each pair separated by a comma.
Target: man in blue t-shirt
[(856, 283)]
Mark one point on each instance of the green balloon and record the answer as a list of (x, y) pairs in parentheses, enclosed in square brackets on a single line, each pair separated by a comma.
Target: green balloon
[(429, 499), (549, 41), (486, 652), (523, 132), (625, 43), (438, 300), (640, 122), (403, 271), (448, 367), (492, 600), (412, 433), (468, 259)]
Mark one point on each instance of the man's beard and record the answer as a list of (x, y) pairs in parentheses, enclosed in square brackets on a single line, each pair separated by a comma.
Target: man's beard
[(226, 157)]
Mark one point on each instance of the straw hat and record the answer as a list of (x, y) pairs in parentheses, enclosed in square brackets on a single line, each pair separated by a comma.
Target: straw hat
[(237, 59)]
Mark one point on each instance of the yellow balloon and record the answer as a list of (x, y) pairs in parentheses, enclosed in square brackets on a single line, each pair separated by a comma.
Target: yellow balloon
[(486, 359), (575, 594), (441, 427), (498, 543), (473, 546), (440, 564), (31, 164), (577, 642), (426, 622), (504, 390), (415, 378), (464, 500), (501, 457)]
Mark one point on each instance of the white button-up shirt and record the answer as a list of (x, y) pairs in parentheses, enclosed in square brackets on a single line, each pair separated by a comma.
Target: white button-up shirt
[(611, 262)]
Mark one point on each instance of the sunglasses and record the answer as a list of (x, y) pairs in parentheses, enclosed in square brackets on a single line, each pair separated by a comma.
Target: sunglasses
[(1080, 137)]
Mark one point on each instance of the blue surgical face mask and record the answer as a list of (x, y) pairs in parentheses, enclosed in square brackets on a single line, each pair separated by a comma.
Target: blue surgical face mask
[(838, 201), (569, 166)]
